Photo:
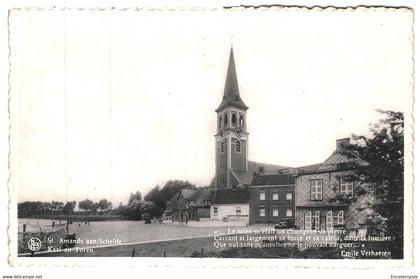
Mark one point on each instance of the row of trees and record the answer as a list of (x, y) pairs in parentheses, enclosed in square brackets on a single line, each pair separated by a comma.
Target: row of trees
[(154, 202), (90, 206), (29, 208)]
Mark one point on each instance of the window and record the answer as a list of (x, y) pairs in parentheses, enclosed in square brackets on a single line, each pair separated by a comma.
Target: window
[(338, 219), (226, 119), (215, 211), (206, 202), (308, 220), (275, 212), (241, 121), (346, 187), (233, 119), (289, 196), (262, 196), (329, 220), (262, 212), (238, 210), (275, 196), (220, 122), (316, 190), (238, 146), (222, 146), (316, 221), (289, 212)]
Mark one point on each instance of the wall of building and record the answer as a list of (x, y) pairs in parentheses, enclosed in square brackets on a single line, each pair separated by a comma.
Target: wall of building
[(203, 212), (356, 210), (225, 210), (222, 164), (238, 159), (282, 204)]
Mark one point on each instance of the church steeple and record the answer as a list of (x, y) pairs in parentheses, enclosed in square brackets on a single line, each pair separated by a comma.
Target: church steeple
[(231, 94), (232, 134)]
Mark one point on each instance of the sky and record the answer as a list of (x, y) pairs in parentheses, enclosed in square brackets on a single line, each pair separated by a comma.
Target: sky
[(104, 103)]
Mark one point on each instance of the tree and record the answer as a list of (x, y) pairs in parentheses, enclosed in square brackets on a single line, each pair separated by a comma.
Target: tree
[(69, 207), (160, 197), (57, 206), (383, 152), (133, 211), (155, 196), (86, 205), (136, 196), (95, 207), (150, 208), (104, 204)]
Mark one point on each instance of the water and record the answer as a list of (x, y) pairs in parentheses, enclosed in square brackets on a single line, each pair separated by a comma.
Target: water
[(36, 225)]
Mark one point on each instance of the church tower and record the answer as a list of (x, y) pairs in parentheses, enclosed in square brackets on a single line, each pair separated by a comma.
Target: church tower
[(232, 135)]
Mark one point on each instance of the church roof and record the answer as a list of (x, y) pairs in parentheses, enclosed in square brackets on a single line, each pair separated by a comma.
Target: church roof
[(231, 95)]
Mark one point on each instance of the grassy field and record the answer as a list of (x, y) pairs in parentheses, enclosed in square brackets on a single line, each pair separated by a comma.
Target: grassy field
[(200, 247), (174, 248), (136, 231)]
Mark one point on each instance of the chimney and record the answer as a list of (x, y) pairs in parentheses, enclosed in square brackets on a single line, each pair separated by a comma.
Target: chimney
[(342, 143)]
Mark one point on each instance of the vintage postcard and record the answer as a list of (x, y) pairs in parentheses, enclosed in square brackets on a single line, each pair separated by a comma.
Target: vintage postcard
[(277, 133)]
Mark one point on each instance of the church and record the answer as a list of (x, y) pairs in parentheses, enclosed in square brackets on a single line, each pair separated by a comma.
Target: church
[(314, 197), (232, 144)]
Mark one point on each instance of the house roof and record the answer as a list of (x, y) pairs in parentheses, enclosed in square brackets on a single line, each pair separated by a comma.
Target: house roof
[(231, 196), (339, 160), (231, 94), (312, 167), (203, 194), (273, 179), (246, 177), (341, 157), (253, 167)]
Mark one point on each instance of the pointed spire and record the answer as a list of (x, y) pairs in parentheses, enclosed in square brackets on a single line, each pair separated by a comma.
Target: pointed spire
[(231, 94)]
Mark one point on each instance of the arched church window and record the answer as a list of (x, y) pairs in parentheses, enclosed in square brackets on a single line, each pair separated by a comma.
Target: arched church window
[(233, 119), (222, 146), (226, 119), (241, 121), (238, 146), (220, 122)]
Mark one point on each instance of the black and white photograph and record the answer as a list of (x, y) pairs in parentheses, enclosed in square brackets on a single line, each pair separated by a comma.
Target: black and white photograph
[(281, 133)]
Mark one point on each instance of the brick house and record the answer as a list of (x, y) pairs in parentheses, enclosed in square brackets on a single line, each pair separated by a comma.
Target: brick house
[(329, 195), (272, 198)]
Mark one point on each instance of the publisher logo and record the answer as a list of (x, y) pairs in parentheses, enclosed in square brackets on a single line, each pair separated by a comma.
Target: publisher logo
[(34, 244)]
